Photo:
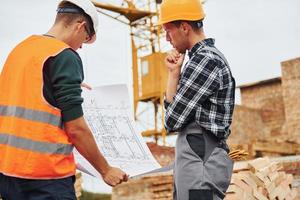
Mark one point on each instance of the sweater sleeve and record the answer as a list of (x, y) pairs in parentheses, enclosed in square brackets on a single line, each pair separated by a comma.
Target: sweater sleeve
[(63, 75)]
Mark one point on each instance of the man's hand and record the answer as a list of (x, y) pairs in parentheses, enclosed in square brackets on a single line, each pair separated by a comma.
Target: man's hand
[(174, 62), (86, 86), (114, 176), (82, 138)]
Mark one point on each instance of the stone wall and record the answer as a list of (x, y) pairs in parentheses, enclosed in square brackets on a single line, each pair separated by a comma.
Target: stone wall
[(269, 109), (247, 125), (266, 96), (291, 95)]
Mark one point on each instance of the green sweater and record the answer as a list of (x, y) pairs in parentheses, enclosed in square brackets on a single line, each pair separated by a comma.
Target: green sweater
[(63, 75)]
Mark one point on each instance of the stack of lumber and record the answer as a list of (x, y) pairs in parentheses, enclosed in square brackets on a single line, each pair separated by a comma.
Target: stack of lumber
[(162, 188), (269, 148), (150, 187), (77, 185), (238, 154), (260, 179)]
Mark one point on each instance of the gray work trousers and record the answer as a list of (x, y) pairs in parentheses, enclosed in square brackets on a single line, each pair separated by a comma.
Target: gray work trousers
[(200, 173)]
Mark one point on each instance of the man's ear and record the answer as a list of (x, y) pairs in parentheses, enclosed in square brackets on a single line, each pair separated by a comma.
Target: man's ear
[(185, 27), (77, 26)]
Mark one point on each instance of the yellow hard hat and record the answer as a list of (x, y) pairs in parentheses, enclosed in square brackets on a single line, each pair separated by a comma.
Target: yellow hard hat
[(173, 10)]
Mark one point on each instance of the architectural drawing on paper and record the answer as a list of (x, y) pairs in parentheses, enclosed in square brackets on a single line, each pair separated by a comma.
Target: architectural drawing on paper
[(107, 112)]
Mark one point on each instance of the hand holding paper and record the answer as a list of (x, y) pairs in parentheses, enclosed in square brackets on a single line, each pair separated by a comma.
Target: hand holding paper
[(107, 112)]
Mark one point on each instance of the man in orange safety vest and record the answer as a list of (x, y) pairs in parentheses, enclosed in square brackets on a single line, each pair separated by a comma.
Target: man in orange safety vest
[(41, 117)]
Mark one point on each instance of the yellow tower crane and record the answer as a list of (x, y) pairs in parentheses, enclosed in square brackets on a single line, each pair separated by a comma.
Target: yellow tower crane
[(148, 71)]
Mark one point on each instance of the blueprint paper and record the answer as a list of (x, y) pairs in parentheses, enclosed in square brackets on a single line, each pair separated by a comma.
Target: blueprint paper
[(108, 114)]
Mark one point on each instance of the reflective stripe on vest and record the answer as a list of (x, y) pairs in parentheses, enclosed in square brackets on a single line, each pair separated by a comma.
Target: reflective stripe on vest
[(41, 147), (29, 114)]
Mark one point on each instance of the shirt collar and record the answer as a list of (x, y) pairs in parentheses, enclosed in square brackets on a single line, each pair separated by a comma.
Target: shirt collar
[(201, 45)]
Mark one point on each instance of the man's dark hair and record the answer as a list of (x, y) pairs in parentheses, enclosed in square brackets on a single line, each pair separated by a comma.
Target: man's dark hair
[(69, 12), (196, 25)]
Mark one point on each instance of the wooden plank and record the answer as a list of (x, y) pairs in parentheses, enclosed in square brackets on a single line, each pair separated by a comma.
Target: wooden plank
[(232, 196), (233, 189), (245, 176), (236, 191), (285, 191), (259, 196), (241, 184), (294, 193), (274, 147), (263, 191), (258, 181), (241, 166), (281, 177), (273, 176), (270, 186), (262, 177), (259, 163), (274, 193)]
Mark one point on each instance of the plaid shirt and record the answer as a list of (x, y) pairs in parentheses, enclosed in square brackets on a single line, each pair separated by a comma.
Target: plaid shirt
[(205, 93)]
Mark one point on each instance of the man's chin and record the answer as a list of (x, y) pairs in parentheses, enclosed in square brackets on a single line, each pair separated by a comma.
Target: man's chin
[(180, 50), (176, 49)]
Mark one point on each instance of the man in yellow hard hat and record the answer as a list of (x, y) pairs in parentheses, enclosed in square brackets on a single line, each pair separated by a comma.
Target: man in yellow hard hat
[(41, 117), (199, 103)]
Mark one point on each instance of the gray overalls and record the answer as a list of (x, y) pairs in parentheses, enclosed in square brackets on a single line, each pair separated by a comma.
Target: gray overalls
[(204, 177), (202, 169)]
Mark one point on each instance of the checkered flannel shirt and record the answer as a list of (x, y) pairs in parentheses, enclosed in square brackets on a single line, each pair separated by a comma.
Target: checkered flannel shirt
[(205, 93)]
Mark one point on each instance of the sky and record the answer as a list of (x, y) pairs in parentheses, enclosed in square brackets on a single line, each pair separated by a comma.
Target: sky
[(254, 35)]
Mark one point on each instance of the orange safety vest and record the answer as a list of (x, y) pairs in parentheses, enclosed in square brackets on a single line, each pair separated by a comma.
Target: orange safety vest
[(33, 143)]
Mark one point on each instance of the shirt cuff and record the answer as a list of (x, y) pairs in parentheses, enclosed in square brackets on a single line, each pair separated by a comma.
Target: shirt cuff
[(166, 104), (73, 113)]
